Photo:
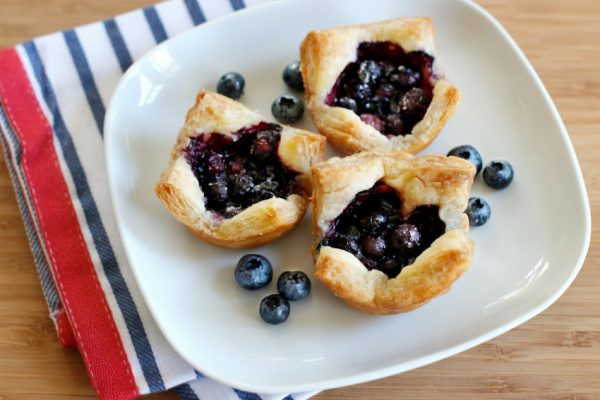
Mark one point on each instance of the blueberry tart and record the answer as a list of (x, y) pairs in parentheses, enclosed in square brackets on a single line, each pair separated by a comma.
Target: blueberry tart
[(235, 180), (377, 86), (390, 232)]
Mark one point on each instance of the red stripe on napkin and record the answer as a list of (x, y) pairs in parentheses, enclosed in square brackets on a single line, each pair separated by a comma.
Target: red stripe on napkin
[(65, 332), (95, 331)]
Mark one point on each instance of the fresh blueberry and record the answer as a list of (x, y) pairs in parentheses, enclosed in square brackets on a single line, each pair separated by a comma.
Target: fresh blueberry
[(498, 174), (231, 85), (293, 285), (478, 211), (287, 108), (274, 309), (253, 272), (405, 239), (468, 153), (293, 77)]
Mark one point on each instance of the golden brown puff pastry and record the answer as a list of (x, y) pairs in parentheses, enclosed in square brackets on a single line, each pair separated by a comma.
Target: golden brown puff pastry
[(431, 186), (327, 57), (260, 222)]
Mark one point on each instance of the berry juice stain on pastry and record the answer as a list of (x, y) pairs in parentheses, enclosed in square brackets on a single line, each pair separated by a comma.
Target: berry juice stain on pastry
[(377, 86), (235, 180), (390, 231)]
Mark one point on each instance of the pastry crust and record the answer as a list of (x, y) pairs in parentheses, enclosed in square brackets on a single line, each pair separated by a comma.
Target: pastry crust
[(262, 222), (425, 180), (324, 55)]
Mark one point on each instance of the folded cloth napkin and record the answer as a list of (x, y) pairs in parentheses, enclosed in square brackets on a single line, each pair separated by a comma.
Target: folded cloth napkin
[(54, 91)]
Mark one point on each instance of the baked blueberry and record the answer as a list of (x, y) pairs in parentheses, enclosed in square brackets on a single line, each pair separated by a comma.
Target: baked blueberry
[(388, 88), (373, 222), (405, 77), (414, 103), (369, 71), (231, 85), (468, 153), (217, 192), (274, 309), (236, 171), (385, 92), (394, 125), (253, 272), (498, 174), (293, 285), (346, 243), (293, 77), (391, 267), (264, 145), (405, 239), (224, 158), (373, 246), (287, 108), (372, 228), (478, 211), (347, 102), (241, 186)]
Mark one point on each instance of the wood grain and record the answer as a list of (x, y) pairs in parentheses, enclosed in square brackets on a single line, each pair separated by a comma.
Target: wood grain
[(556, 355)]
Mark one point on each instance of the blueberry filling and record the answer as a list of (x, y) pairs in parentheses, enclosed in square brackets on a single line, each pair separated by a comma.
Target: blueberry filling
[(373, 229), (239, 170), (387, 87)]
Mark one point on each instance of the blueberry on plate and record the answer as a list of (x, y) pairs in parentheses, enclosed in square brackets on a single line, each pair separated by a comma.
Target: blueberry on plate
[(231, 85), (253, 272), (293, 77), (274, 309), (498, 174), (293, 285), (470, 154), (478, 211), (287, 108)]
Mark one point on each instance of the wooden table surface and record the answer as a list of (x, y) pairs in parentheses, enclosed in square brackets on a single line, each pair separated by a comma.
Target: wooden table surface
[(556, 355)]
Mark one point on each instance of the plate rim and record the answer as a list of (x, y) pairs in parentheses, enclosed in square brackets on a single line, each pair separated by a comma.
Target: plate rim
[(385, 371)]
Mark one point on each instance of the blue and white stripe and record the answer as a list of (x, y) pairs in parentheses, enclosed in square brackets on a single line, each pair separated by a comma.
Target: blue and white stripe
[(12, 155), (74, 74)]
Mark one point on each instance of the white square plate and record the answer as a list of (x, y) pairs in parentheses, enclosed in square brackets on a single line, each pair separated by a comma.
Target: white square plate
[(525, 257)]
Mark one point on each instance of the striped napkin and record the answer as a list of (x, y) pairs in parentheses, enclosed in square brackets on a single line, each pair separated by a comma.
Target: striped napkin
[(54, 91)]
